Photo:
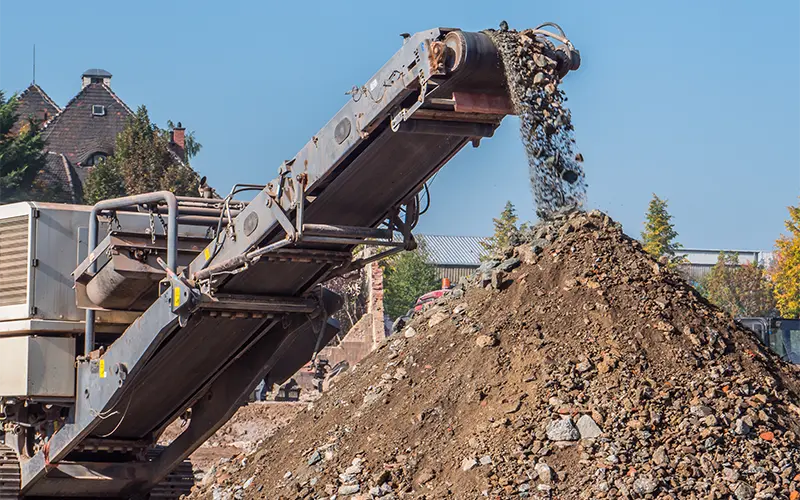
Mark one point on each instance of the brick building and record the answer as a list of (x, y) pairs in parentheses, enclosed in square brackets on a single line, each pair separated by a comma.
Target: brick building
[(78, 135)]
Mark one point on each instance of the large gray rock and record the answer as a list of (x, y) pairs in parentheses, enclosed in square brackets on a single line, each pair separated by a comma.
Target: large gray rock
[(644, 485), (349, 489), (562, 430), (744, 491), (545, 472), (588, 428)]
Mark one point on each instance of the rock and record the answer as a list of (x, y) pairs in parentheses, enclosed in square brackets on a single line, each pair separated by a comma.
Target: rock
[(498, 278), (315, 458), (544, 472), (437, 318), (740, 427), (584, 366), (644, 485), (353, 470), (486, 460), (348, 489), (587, 428), (701, 411), (509, 264), (468, 463), (730, 475), (409, 332), (485, 340), (744, 491), (562, 430), (487, 266), (660, 456), (426, 476), (248, 482), (460, 309), (287, 475)]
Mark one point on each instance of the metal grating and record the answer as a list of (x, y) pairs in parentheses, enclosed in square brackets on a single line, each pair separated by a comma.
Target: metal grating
[(14, 260)]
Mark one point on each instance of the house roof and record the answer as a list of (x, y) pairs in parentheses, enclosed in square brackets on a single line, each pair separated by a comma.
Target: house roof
[(463, 251), (57, 180), (78, 133), (34, 103)]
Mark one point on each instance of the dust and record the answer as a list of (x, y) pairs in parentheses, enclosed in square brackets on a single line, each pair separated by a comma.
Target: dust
[(534, 68)]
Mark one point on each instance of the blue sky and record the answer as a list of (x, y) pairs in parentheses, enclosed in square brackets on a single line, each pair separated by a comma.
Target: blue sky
[(698, 102)]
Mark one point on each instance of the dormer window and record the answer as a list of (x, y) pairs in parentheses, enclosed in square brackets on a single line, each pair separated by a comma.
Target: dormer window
[(95, 159), (98, 110)]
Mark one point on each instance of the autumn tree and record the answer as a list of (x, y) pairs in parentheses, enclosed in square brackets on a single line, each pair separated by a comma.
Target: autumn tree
[(21, 154), (658, 237), (740, 290), (406, 277), (786, 269), (142, 162), (506, 231)]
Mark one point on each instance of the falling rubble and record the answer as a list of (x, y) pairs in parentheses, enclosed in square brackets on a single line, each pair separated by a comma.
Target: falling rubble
[(572, 366), (533, 77)]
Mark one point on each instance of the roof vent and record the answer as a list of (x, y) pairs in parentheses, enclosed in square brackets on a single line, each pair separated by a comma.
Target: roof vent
[(98, 110), (95, 75)]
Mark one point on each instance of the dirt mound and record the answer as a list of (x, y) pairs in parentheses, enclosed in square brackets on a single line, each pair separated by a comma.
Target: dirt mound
[(577, 368)]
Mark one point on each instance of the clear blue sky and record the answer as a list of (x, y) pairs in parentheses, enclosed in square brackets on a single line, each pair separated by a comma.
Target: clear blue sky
[(698, 102)]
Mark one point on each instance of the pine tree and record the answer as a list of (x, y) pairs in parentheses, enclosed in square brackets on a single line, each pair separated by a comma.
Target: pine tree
[(505, 231), (786, 269), (658, 237), (407, 276), (740, 290), (142, 162), (21, 155)]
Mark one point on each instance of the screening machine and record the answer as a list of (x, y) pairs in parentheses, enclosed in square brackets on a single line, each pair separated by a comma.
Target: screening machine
[(179, 306)]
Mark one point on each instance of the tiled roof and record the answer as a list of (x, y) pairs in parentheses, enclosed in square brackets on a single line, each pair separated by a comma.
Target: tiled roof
[(452, 250), (57, 181), (34, 103), (77, 133)]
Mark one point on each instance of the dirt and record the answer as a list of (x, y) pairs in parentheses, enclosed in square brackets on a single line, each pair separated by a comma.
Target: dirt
[(248, 428), (573, 366)]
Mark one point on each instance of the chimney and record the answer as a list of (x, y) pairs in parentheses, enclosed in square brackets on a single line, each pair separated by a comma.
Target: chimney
[(179, 136), (177, 139), (95, 75)]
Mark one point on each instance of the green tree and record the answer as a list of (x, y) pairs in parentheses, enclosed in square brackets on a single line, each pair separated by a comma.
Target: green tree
[(406, 277), (21, 155), (658, 237), (103, 183), (786, 269), (142, 162), (740, 290), (506, 231)]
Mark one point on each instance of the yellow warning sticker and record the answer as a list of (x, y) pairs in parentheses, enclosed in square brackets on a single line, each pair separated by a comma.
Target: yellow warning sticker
[(206, 254), (176, 296), (102, 368)]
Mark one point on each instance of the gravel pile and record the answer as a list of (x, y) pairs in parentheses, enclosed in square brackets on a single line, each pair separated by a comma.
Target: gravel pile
[(534, 68), (573, 366)]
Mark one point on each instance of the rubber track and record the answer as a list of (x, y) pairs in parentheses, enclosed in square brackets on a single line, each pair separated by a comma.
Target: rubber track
[(9, 474), (178, 482)]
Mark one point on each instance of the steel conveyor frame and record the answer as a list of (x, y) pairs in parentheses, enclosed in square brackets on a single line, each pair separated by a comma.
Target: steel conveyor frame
[(249, 306)]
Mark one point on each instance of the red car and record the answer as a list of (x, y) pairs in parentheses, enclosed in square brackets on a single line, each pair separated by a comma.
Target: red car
[(429, 297)]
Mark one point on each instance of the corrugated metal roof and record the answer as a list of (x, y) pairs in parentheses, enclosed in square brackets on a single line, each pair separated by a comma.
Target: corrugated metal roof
[(452, 250), (708, 257)]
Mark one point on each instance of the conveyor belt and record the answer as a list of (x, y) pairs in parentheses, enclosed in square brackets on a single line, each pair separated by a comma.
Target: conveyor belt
[(207, 340)]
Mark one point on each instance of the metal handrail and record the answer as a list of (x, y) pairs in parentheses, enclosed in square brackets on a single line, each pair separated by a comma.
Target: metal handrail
[(127, 201)]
